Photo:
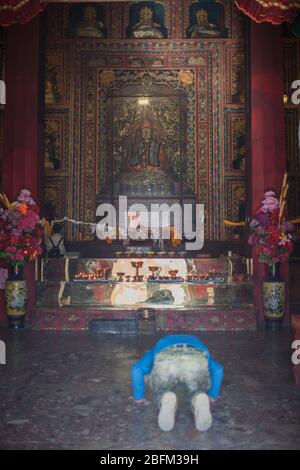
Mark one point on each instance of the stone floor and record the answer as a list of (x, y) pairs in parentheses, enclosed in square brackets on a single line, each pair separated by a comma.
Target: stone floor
[(70, 391)]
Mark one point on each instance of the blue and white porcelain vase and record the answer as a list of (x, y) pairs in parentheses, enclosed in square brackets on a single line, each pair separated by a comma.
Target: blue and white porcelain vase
[(274, 296), (16, 299)]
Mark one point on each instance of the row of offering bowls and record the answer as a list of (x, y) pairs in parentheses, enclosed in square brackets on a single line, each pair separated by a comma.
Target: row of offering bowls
[(149, 254), (150, 278), (122, 277), (105, 274), (98, 275), (212, 275)]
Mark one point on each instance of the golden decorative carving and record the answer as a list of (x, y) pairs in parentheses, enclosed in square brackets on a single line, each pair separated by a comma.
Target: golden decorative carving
[(146, 15), (186, 77), (107, 77)]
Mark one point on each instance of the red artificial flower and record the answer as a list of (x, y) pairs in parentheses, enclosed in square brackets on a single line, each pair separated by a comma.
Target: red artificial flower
[(21, 235), (23, 208)]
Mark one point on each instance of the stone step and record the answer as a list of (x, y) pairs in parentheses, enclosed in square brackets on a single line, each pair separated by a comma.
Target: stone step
[(205, 319)]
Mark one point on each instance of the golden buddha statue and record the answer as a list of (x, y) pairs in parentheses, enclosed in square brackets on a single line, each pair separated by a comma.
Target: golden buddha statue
[(90, 27), (203, 28), (146, 28)]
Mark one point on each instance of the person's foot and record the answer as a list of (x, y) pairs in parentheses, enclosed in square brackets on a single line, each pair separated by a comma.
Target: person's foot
[(166, 417), (201, 410)]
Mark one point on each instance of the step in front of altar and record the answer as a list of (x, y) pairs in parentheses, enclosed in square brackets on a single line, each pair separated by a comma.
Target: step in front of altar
[(68, 318)]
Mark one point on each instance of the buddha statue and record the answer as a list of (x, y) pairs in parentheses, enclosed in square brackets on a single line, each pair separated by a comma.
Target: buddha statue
[(90, 27), (203, 28), (145, 149), (146, 28), (145, 168)]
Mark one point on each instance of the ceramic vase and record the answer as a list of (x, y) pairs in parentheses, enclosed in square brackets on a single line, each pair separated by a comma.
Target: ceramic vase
[(274, 295), (16, 299)]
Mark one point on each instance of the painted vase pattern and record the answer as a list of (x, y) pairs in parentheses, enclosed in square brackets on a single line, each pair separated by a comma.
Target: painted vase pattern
[(274, 299), (16, 297)]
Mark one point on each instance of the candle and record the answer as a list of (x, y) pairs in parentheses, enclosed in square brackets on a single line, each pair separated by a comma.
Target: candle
[(248, 264), (281, 210), (67, 278), (285, 191), (283, 200), (36, 269), (251, 267), (282, 188)]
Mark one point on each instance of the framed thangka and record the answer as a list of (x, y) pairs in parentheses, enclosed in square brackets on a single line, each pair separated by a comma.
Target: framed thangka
[(236, 206), (56, 81), (235, 65), (56, 142), (55, 197), (236, 141)]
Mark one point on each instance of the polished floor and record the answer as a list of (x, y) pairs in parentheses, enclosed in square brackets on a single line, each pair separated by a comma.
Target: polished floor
[(70, 391)]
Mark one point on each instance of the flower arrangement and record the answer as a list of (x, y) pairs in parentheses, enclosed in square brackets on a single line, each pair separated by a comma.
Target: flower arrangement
[(21, 232), (271, 236)]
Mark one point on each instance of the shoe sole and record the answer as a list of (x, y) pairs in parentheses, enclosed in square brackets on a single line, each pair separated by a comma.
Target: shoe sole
[(201, 410), (166, 417)]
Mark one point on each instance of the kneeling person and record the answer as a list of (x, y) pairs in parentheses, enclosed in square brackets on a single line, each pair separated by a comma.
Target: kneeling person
[(179, 362)]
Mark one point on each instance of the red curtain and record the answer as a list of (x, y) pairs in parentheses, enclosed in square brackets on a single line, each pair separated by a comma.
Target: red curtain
[(272, 11), (19, 11)]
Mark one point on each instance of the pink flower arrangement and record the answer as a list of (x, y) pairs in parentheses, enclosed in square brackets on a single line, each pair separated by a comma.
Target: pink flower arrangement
[(21, 232), (271, 237), (270, 202)]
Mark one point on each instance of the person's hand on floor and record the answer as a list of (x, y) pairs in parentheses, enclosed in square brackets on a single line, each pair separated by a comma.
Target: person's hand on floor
[(139, 402)]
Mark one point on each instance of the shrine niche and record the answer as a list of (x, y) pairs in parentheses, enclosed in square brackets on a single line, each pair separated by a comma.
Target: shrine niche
[(145, 153), (207, 20), (86, 21), (141, 155), (146, 21)]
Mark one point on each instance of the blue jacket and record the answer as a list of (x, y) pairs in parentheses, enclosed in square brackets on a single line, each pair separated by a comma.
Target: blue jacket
[(145, 364)]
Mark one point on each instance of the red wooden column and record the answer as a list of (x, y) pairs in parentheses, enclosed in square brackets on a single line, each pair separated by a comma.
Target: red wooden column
[(267, 134), (23, 123)]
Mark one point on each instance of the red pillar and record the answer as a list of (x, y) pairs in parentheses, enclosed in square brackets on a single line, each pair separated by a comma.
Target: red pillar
[(23, 123), (267, 135)]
